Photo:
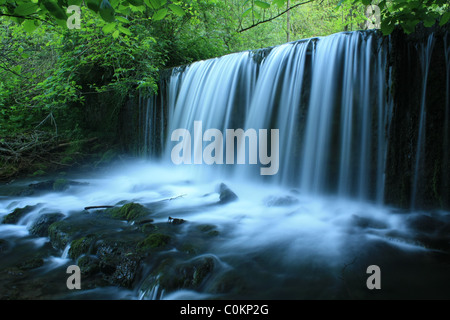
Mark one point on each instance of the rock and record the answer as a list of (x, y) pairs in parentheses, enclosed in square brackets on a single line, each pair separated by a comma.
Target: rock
[(423, 223), (172, 275), (60, 234), (32, 263), (153, 241), (176, 220), (209, 229), (17, 214), (126, 271), (4, 246), (228, 282), (226, 195), (280, 201), (60, 185), (34, 188), (118, 262), (89, 265), (41, 225), (82, 246), (48, 186), (130, 211)]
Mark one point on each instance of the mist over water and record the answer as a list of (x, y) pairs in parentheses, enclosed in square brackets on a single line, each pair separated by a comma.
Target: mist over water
[(309, 232), (283, 243)]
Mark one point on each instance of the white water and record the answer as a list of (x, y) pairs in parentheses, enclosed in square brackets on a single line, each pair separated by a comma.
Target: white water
[(328, 98)]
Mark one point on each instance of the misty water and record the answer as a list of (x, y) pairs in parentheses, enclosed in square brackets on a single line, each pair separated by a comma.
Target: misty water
[(282, 244), (308, 232)]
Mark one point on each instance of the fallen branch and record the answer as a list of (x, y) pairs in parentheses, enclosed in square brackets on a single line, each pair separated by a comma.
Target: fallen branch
[(98, 207)]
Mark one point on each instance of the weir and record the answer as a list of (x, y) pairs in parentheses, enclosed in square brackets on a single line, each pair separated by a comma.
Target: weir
[(332, 99)]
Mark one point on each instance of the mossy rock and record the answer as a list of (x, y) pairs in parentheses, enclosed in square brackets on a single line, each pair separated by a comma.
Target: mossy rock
[(148, 228), (17, 214), (81, 246), (38, 173), (189, 248), (118, 262), (130, 211), (32, 263), (89, 265), (171, 276), (60, 234), (228, 282), (60, 185), (206, 227), (154, 241), (41, 225), (209, 229)]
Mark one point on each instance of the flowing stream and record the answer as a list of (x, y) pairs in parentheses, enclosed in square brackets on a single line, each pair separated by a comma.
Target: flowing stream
[(308, 231)]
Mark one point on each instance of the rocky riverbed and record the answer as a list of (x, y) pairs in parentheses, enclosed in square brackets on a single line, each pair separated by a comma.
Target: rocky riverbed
[(150, 234)]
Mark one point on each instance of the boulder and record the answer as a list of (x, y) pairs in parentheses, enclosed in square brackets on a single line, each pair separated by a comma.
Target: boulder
[(280, 201), (17, 214), (226, 195), (130, 212), (40, 225)]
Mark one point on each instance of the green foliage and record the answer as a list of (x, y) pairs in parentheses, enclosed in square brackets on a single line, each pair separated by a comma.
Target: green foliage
[(408, 13)]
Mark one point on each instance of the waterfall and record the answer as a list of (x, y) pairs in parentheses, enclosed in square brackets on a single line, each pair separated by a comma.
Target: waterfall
[(425, 52), (329, 97)]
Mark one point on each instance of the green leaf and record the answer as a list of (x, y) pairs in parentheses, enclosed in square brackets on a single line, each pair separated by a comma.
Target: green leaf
[(122, 19), (366, 2), (29, 26), (429, 22), (155, 4), (278, 3), (125, 30), (93, 5), (109, 27), (55, 10), (246, 12), (387, 27), (160, 14), (445, 18), (74, 2), (115, 34), (26, 9), (262, 4), (256, 15), (106, 11), (177, 10), (136, 2)]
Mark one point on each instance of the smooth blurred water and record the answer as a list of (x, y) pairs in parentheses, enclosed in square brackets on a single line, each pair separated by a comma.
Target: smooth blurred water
[(276, 238)]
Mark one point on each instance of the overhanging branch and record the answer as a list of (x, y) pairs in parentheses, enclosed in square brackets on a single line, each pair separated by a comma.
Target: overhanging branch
[(274, 17)]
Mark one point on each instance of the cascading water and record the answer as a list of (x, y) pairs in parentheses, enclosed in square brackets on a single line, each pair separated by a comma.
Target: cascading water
[(297, 234), (327, 96)]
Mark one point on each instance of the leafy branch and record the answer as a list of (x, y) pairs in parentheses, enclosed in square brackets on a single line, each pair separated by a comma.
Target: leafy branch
[(274, 17)]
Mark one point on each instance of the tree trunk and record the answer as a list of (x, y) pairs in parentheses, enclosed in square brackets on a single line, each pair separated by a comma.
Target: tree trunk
[(288, 18)]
